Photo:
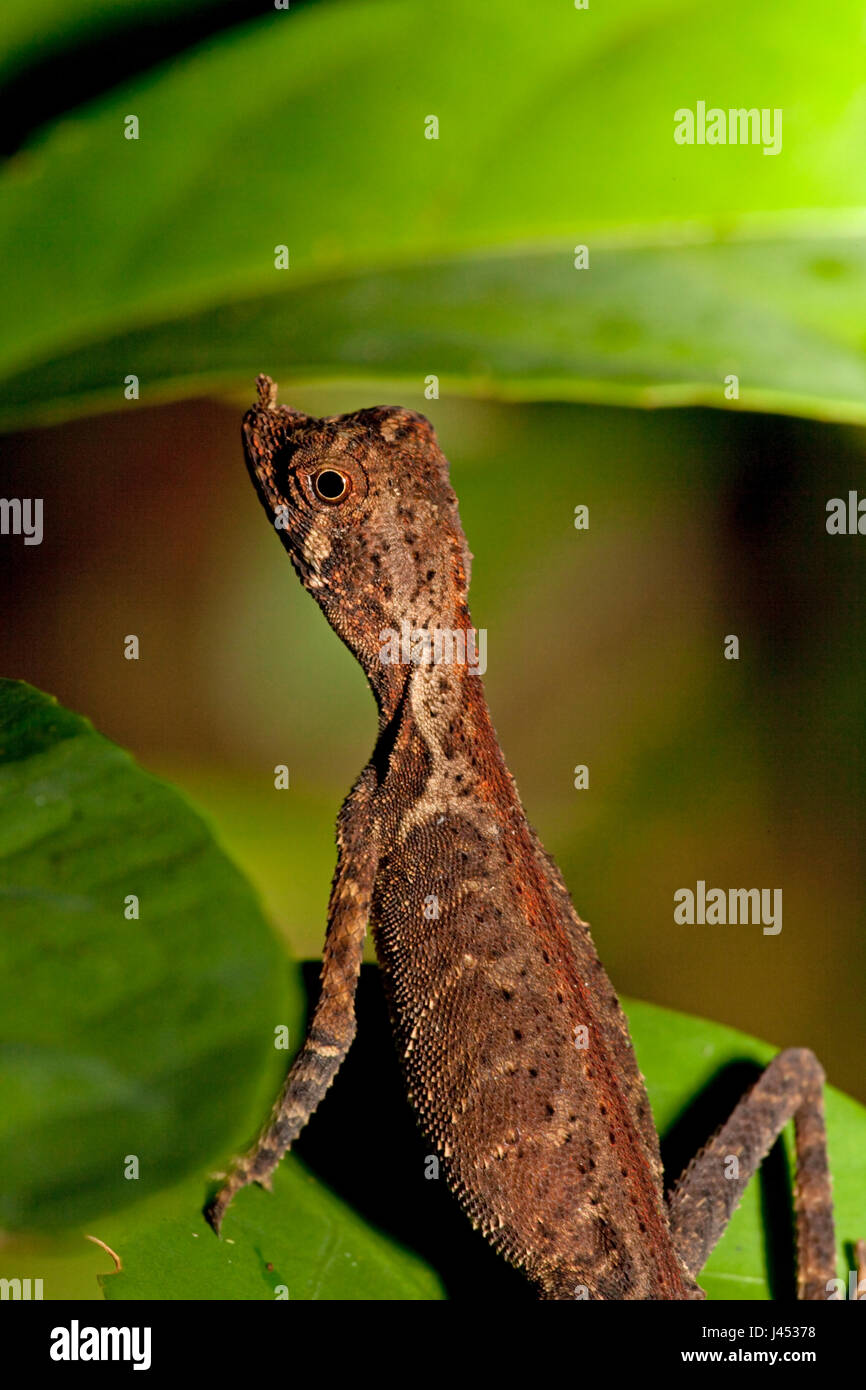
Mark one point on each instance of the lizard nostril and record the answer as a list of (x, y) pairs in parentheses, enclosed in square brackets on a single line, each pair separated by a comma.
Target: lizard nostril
[(330, 485)]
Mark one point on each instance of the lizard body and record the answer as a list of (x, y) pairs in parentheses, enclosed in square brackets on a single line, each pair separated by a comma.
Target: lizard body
[(515, 1051)]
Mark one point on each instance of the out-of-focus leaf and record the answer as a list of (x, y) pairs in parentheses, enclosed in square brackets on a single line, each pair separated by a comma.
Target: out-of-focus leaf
[(680, 1056), (453, 257), (650, 327), (149, 1038)]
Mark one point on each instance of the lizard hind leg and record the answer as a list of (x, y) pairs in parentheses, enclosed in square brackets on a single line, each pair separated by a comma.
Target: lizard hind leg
[(705, 1197)]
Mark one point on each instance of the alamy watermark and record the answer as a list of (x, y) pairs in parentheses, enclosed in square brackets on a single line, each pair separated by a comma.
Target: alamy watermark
[(22, 516), (737, 126), (846, 517), (77, 1343), (20, 1289), (715, 907), (438, 646)]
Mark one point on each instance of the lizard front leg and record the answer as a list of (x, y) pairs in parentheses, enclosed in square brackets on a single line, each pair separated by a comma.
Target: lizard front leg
[(702, 1202), (332, 1026)]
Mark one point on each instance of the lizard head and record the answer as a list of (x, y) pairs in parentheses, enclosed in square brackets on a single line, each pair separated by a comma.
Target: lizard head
[(363, 504)]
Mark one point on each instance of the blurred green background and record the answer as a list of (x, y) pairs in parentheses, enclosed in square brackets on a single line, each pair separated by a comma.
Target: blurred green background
[(605, 647), (454, 257)]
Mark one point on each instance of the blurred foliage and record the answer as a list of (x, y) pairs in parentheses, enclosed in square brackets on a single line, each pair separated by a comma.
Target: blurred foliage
[(29, 32), (453, 256), (146, 1037)]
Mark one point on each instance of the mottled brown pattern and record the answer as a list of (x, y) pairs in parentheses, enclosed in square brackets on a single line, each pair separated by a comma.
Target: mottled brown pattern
[(549, 1146)]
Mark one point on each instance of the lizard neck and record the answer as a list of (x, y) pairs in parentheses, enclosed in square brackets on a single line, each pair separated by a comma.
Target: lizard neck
[(438, 755), (423, 670)]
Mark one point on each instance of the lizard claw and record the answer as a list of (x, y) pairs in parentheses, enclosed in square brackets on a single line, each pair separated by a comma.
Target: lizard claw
[(219, 1205), (240, 1176)]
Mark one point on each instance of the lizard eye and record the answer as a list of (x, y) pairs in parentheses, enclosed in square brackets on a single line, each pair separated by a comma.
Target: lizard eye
[(331, 486)]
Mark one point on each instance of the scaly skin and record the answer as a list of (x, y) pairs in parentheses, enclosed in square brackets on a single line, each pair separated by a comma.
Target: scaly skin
[(514, 1047)]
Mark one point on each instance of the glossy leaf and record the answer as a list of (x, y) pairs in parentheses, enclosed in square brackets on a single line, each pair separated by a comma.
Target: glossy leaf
[(453, 257), (695, 1070), (122, 1037), (297, 1242)]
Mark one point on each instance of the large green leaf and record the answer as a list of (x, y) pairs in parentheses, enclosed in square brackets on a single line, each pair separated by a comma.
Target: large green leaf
[(687, 1062), (524, 325), (453, 257), (297, 1242), (320, 1250), (119, 1037)]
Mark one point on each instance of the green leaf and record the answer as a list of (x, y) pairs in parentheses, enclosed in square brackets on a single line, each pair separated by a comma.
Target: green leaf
[(524, 326), (681, 1056), (299, 1238), (453, 256), (150, 1037)]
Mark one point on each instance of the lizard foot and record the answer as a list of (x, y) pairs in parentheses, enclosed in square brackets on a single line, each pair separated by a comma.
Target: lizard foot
[(245, 1171)]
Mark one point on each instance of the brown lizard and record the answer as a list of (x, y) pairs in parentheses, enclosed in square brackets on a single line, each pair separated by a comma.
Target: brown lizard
[(514, 1047)]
